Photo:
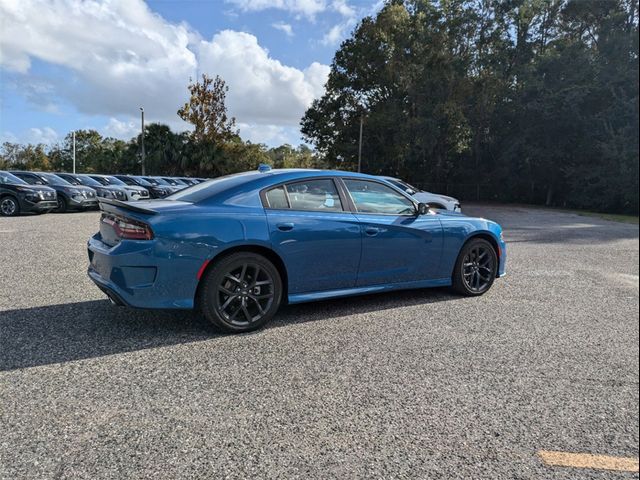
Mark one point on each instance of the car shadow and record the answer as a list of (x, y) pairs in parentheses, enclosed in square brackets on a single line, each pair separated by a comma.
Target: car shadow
[(61, 333)]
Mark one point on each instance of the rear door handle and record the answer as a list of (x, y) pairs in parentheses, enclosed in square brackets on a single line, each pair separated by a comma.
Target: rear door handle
[(371, 231), (285, 227)]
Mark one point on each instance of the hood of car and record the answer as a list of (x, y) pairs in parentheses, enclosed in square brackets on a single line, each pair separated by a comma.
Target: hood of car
[(132, 188), (428, 197), (45, 192)]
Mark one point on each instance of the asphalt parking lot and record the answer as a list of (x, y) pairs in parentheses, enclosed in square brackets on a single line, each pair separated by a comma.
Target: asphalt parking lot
[(420, 384)]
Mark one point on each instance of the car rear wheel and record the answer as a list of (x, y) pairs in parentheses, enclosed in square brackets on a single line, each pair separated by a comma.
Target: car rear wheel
[(241, 292), (9, 207), (62, 204), (475, 268)]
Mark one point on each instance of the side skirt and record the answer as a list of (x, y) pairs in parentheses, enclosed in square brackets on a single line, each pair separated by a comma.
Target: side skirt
[(349, 292)]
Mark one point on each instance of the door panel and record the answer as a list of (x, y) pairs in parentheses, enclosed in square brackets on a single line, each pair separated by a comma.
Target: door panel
[(399, 248), (321, 250)]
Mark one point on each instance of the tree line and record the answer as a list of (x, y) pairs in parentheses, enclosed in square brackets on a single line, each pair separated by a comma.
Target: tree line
[(167, 153), (523, 100), (212, 148), (531, 101)]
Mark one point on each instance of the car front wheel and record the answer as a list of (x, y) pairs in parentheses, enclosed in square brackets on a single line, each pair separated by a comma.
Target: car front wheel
[(9, 207), (62, 205), (241, 292), (476, 268)]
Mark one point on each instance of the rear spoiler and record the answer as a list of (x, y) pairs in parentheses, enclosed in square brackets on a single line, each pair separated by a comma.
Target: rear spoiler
[(107, 204)]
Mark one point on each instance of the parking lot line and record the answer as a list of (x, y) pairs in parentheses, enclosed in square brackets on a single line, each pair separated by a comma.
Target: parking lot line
[(587, 460)]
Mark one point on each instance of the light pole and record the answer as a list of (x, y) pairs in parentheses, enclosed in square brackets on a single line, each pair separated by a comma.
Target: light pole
[(360, 143), (142, 140), (74, 152)]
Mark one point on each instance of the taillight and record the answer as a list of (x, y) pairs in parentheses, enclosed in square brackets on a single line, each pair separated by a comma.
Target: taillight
[(127, 228)]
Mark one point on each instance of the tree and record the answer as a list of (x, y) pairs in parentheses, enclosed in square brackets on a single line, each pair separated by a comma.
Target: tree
[(207, 112), (534, 100)]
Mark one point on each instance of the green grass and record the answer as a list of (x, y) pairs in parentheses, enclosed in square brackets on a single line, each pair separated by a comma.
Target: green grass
[(614, 217)]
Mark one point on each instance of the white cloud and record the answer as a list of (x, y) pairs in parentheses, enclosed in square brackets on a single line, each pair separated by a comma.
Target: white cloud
[(46, 135), (307, 8), (262, 90), (283, 27), (343, 8), (119, 55), (121, 129), (269, 134), (8, 136), (333, 36)]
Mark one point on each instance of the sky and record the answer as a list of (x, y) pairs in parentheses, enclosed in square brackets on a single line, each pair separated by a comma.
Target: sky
[(91, 64)]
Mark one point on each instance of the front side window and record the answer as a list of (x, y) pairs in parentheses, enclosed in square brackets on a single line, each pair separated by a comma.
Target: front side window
[(373, 197)]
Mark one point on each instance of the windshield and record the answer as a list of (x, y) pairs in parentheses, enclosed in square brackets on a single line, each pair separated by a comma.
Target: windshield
[(152, 181), (87, 180), (7, 178), (53, 179), (114, 181), (70, 178), (128, 180), (158, 181), (101, 180), (171, 181), (141, 181), (405, 187)]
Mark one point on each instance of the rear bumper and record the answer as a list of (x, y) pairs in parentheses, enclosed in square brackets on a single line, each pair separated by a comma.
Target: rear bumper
[(143, 274)]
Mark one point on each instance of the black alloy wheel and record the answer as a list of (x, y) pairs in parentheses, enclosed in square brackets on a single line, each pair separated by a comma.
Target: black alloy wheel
[(9, 207), (241, 292), (62, 204), (476, 268)]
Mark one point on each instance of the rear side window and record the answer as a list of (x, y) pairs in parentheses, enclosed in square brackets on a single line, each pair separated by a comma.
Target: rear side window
[(276, 198)]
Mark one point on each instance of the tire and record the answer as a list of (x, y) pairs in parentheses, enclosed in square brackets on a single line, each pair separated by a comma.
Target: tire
[(476, 268), (62, 204), (9, 207), (240, 292)]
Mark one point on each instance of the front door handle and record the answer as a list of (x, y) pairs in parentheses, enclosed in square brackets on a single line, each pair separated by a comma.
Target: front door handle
[(285, 227), (371, 231)]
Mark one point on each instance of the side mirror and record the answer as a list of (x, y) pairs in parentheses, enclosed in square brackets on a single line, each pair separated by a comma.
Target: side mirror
[(423, 208)]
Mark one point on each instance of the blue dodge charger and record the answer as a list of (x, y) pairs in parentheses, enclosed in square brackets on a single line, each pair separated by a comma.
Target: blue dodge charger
[(239, 246)]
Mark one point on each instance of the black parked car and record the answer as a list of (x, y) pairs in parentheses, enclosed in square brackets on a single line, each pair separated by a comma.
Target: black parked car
[(17, 196), (105, 191), (70, 197), (155, 190)]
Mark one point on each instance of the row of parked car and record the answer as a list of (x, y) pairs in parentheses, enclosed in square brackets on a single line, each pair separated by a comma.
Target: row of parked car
[(42, 192)]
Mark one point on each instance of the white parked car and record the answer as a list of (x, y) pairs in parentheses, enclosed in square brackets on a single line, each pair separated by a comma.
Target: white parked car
[(133, 193), (433, 199)]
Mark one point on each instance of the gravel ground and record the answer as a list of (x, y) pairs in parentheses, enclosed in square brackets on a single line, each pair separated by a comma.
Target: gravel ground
[(419, 384)]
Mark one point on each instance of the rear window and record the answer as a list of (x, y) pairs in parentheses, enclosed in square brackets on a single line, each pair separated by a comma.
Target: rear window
[(202, 191)]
